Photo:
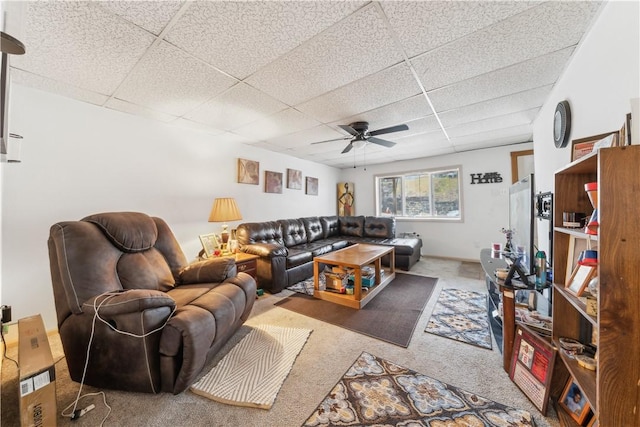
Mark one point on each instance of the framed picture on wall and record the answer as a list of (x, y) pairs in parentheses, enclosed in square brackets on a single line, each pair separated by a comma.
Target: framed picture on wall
[(346, 199), (312, 186), (294, 179), (248, 171)]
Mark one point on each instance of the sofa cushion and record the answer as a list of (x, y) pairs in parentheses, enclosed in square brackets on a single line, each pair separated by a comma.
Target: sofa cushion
[(313, 226), (330, 226), (260, 232), (293, 232), (128, 231), (352, 226), (381, 227), (298, 257)]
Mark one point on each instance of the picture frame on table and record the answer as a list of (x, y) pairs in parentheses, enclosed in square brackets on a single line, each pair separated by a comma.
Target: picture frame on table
[(593, 422), (573, 401), (583, 146), (576, 246), (210, 244), (580, 278)]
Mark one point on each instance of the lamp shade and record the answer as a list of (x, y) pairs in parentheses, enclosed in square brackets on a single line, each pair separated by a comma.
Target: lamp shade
[(224, 209)]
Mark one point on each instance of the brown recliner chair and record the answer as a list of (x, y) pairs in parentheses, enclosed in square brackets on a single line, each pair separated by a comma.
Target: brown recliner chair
[(159, 319)]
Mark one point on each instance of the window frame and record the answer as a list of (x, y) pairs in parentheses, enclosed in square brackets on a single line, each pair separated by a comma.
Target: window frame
[(431, 171)]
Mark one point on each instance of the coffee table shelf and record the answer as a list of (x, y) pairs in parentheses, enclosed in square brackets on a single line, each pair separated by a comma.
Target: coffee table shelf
[(356, 257)]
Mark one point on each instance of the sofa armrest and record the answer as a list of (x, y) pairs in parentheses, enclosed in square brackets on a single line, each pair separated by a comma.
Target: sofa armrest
[(131, 301), (270, 250), (208, 271)]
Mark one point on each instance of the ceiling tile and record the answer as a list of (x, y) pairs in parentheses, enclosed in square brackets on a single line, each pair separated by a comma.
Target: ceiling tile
[(153, 16), (425, 25), (241, 37), (307, 137), (490, 124), (354, 48), (379, 89), (535, 32), (42, 83), (526, 75), (496, 107), (237, 106), (188, 124), (282, 123), (495, 138), (169, 80), (399, 112), (81, 44), (127, 107)]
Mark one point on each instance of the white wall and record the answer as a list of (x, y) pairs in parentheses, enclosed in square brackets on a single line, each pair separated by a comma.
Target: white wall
[(79, 159), (600, 81), (485, 206)]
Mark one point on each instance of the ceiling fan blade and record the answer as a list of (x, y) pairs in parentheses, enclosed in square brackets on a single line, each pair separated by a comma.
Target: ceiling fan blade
[(381, 142), (349, 129), (390, 129), (331, 140), (348, 148)]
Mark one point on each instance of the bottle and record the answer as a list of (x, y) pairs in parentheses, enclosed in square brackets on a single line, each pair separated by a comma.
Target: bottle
[(541, 269)]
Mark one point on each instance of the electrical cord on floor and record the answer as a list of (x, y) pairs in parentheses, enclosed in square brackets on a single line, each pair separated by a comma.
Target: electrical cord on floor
[(4, 347), (75, 412)]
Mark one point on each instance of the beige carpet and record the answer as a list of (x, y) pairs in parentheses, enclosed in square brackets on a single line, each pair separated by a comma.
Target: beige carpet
[(252, 373), (328, 353)]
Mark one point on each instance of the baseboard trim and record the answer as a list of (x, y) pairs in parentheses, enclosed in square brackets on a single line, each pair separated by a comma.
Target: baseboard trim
[(447, 258)]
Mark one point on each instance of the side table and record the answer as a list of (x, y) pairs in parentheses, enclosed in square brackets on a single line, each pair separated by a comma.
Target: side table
[(246, 263)]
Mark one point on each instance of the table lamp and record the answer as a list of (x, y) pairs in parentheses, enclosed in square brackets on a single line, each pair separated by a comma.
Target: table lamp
[(224, 210)]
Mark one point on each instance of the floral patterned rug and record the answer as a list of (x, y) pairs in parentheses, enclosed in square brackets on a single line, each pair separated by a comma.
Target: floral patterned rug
[(462, 316), (377, 392)]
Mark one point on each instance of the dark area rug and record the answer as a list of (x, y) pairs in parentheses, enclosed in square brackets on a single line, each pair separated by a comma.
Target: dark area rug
[(377, 392), (391, 316), (462, 316)]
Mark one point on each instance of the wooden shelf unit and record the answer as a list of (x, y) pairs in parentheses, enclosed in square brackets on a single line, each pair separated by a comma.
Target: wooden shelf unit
[(613, 390)]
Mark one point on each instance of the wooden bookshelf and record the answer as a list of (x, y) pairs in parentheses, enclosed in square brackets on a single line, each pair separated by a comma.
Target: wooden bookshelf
[(612, 390)]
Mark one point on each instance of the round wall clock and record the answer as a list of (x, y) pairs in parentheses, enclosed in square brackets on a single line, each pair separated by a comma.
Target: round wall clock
[(562, 124)]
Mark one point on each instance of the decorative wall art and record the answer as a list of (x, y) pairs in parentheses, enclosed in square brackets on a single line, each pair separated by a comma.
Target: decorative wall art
[(346, 206), (248, 171), (312, 186), (272, 182), (294, 179)]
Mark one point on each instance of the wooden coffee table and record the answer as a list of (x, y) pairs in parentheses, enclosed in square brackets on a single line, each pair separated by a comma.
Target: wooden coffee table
[(356, 257)]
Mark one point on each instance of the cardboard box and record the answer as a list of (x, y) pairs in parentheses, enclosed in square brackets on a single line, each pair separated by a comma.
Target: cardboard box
[(335, 281), (37, 374)]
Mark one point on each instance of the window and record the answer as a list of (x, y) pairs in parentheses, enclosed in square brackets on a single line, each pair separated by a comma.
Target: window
[(432, 194)]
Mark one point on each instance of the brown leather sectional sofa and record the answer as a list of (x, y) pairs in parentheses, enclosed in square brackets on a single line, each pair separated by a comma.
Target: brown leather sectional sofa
[(287, 247)]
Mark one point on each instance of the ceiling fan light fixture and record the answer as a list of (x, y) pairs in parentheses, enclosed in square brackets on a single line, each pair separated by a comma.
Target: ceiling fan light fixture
[(359, 143)]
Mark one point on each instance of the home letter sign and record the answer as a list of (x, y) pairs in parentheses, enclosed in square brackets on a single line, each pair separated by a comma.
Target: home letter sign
[(486, 178)]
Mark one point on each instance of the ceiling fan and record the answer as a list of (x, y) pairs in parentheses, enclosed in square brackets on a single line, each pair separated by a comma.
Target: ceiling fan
[(360, 135)]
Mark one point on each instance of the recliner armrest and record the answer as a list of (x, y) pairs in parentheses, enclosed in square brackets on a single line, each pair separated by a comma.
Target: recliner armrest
[(270, 250), (208, 271), (131, 301)]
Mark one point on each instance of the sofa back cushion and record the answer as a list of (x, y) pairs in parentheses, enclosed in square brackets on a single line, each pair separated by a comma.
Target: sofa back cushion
[(330, 226), (380, 227), (352, 226), (293, 232), (313, 227), (250, 233)]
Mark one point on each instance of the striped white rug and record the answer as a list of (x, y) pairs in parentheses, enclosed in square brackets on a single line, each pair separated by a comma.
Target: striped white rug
[(252, 373)]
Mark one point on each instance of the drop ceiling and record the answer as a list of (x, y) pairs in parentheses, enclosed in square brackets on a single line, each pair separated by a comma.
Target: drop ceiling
[(282, 74)]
